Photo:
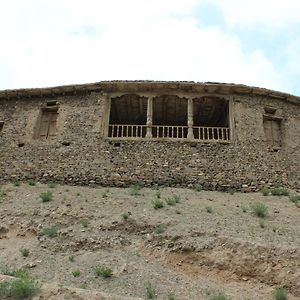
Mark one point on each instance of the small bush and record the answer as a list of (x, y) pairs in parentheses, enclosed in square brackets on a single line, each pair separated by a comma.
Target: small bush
[(198, 188), (171, 296), (50, 231), (231, 191), (295, 199), (76, 273), (260, 209), (16, 183), (71, 258), (103, 271), (84, 222), (219, 296), (160, 228), (25, 252), (279, 191), (157, 203), (31, 182), (46, 196), (51, 185), (135, 190), (171, 201), (150, 291), (105, 194), (77, 194), (158, 194), (125, 216), (176, 198), (281, 294), (265, 191), (209, 209)]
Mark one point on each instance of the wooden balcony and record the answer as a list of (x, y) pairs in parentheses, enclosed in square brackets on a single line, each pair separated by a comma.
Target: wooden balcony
[(160, 132)]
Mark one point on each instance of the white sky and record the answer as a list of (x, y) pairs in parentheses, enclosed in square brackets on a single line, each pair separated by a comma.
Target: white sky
[(47, 43)]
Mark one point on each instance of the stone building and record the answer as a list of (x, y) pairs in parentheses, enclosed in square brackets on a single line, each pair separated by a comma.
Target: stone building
[(172, 133)]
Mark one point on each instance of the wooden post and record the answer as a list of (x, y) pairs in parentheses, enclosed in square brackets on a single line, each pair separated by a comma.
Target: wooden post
[(149, 117), (190, 122)]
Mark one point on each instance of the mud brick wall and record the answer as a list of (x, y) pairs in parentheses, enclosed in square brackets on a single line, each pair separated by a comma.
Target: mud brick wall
[(80, 154)]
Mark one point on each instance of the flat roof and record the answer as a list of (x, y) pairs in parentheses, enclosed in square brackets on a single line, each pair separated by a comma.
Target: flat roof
[(148, 86)]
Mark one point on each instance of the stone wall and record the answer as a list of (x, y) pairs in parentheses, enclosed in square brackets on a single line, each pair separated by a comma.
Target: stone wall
[(81, 155)]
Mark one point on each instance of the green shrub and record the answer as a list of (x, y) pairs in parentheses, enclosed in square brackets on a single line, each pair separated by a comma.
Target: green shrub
[(295, 199), (150, 291), (16, 183), (46, 196), (51, 185), (50, 231), (279, 191), (76, 273), (260, 209), (209, 209), (281, 293), (171, 201), (198, 188), (157, 203), (219, 296), (103, 271), (160, 228), (25, 252), (84, 222), (125, 216), (21, 288), (231, 191), (158, 194), (135, 190), (31, 182), (171, 296), (71, 258), (265, 191), (105, 193)]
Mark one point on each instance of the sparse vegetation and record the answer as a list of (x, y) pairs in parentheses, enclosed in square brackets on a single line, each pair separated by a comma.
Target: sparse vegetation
[(150, 291), (51, 185), (50, 231), (265, 191), (260, 209), (25, 252), (157, 203), (77, 194), (84, 223), (76, 273), (46, 196), (198, 188), (31, 182), (244, 209), (125, 216), (160, 228), (135, 190), (219, 296), (231, 191), (103, 271), (158, 194), (171, 201), (279, 191), (105, 193), (295, 199), (71, 258), (171, 296), (16, 183), (209, 209), (281, 293)]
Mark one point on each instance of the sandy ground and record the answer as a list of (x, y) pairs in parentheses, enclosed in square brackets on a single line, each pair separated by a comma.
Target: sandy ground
[(211, 242)]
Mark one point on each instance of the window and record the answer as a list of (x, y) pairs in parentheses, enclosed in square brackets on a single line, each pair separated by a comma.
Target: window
[(47, 124), (272, 131)]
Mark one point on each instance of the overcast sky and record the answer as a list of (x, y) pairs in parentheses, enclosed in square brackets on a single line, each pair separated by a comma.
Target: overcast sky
[(57, 42)]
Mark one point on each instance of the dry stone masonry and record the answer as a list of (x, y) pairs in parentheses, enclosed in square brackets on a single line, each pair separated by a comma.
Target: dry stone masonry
[(118, 133)]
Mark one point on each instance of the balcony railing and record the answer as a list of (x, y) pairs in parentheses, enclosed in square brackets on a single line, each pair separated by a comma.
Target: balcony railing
[(119, 131)]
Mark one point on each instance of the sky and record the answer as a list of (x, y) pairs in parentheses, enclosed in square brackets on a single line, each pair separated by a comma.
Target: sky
[(57, 42)]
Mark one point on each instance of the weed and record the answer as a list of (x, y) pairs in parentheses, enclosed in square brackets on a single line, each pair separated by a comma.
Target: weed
[(244, 209), (50, 231), (51, 185), (295, 199), (158, 194), (76, 273), (157, 203), (171, 201), (84, 222), (171, 296), (105, 193), (25, 252), (219, 296), (209, 209), (281, 293), (262, 223), (135, 190), (150, 291), (31, 182), (198, 188), (71, 258), (178, 212), (46, 196), (279, 191), (231, 191), (83, 286), (265, 191), (260, 209), (103, 271), (16, 183), (125, 216), (77, 194), (160, 228), (176, 198)]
